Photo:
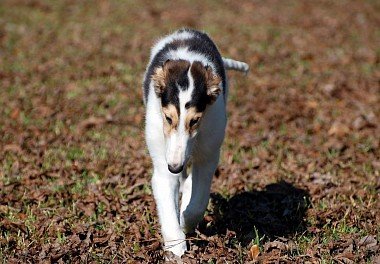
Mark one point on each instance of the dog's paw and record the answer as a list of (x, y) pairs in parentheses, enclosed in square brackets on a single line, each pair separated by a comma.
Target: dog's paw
[(177, 246)]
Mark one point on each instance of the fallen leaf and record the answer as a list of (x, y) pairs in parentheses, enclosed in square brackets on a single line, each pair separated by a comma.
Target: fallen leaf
[(312, 104), (91, 122), (338, 129), (368, 242), (376, 164), (275, 245), (15, 114), (44, 111), (12, 148), (14, 225), (359, 123), (254, 252), (329, 88), (102, 239), (346, 258)]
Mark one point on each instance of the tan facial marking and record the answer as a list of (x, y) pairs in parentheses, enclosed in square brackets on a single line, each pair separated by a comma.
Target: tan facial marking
[(192, 114), (170, 111)]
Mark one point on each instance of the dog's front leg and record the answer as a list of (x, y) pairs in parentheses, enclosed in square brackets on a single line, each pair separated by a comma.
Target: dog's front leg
[(166, 190), (196, 192)]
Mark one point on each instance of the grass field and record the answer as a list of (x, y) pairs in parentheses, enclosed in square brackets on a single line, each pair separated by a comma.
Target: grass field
[(300, 168)]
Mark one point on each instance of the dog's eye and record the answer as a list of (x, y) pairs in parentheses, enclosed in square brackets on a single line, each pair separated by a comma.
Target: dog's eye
[(194, 121), (169, 120)]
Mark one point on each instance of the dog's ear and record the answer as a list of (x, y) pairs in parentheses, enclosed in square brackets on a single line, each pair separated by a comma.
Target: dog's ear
[(212, 82), (159, 78), (204, 74), (170, 70)]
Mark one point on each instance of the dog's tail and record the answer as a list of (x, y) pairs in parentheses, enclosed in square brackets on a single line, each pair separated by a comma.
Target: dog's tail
[(230, 64)]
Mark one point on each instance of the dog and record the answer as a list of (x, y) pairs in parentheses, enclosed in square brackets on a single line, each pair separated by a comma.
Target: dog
[(185, 94)]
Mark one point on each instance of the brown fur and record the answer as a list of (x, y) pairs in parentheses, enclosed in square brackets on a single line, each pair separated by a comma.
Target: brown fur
[(171, 112), (170, 70), (192, 114), (213, 81), (158, 78)]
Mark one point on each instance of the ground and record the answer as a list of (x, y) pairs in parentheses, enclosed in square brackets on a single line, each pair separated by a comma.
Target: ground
[(299, 176)]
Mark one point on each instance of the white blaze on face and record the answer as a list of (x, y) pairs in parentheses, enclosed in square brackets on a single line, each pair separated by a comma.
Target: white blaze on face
[(179, 142)]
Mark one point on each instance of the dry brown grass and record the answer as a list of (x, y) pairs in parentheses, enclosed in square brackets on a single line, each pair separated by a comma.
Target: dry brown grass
[(299, 174)]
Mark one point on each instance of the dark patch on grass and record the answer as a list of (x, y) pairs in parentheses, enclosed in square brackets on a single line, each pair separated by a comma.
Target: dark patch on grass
[(277, 211)]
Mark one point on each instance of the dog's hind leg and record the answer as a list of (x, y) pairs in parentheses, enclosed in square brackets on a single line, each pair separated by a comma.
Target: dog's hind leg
[(196, 191), (166, 191)]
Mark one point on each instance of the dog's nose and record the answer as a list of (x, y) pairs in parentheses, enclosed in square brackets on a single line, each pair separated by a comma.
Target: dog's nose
[(175, 168)]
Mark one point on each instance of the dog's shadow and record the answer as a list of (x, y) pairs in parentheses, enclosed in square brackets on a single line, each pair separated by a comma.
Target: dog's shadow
[(276, 211)]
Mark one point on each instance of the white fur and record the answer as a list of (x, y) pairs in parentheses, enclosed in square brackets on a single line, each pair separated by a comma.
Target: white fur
[(160, 44), (177, 149), (185, 54), (230, 64), (205, 157), (201, 149)]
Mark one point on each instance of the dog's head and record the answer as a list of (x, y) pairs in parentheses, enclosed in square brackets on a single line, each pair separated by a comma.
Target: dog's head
[(185, 90)]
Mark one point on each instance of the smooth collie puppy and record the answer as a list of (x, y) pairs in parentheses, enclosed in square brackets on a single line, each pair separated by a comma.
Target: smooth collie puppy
[(185, 94)]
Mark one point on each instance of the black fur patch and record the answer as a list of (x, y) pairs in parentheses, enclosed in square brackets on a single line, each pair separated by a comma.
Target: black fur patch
[(170, 96), (199, 43), (176, 78), (199, 97), (178, 74)]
